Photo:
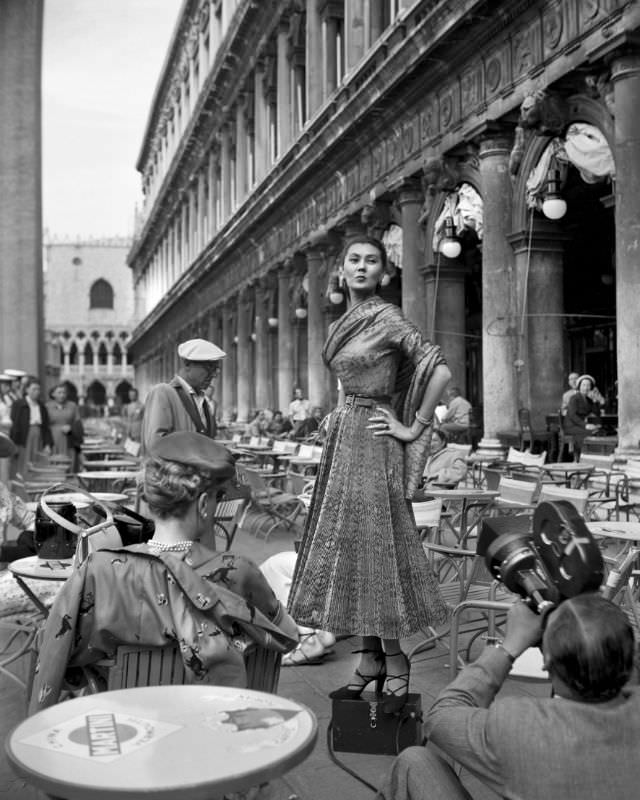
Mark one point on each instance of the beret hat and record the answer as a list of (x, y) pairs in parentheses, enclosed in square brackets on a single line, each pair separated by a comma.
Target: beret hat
[(200, 350), (195, 450)]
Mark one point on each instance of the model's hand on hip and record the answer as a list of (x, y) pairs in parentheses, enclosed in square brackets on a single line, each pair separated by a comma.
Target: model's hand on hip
[(385, 423)]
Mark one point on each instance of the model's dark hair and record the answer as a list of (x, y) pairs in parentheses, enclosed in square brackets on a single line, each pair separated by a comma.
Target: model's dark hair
[(589, 645)]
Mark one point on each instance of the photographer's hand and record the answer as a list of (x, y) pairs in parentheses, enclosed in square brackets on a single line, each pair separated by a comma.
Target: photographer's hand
[(524, 629)]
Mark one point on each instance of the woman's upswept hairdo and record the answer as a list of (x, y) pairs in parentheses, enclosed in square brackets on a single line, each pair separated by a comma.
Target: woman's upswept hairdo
[(589, 645), (363, 238), (170, 488)]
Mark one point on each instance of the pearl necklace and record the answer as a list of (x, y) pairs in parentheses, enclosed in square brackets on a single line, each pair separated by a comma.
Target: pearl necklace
[(164, 546)]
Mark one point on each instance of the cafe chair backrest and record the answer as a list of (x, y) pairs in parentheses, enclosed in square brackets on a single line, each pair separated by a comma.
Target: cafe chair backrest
[(577, 497), (520, 457), (254, 441), (305, 451), (515, 491), (279, 446), (317, 451), (263, 441), (163, 666)]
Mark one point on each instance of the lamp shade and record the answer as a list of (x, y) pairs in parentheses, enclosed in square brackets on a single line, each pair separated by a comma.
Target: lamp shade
[(450, 248), (554, 207), (301, 313), (272, 322)]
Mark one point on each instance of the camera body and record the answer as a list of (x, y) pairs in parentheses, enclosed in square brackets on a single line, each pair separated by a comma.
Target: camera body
[(545, 565)]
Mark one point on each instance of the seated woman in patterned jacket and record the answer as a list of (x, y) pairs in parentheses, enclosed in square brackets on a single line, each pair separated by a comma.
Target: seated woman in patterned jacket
[(171, 589)]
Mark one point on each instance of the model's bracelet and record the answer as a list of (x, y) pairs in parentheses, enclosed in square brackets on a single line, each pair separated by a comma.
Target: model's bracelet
[(502, 648), (423, 421)]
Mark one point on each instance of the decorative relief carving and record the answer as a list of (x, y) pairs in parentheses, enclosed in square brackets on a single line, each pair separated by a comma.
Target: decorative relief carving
[(525, 56), (471, 89), (394, 149), (552, 28), (377, 160), (429, 120)]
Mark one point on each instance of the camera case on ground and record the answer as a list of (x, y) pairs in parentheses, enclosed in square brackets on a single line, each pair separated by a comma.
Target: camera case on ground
[(361, 726)]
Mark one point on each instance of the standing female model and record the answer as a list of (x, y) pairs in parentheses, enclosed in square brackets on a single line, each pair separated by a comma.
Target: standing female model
[(361, 568)]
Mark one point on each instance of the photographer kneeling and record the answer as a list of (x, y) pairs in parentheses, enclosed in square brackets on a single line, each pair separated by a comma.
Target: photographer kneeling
[(580, 744)]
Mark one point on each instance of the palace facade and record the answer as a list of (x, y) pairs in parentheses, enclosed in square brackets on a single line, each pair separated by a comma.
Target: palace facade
[(89, 316), (493, 146)]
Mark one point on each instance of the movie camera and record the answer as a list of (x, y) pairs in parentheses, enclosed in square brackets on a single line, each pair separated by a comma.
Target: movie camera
[(546, 563)]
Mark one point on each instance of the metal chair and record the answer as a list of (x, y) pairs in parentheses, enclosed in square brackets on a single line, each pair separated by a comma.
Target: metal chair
[(226, 521), (279, 508)]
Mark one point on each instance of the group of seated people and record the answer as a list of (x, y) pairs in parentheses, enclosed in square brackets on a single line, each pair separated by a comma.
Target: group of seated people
[(274, 425)]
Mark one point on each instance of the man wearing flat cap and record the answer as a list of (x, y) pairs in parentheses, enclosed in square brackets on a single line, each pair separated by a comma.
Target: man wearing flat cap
[(181, 404)]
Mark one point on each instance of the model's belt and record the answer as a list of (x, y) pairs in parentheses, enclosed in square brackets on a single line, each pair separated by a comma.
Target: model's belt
[(368, 401)]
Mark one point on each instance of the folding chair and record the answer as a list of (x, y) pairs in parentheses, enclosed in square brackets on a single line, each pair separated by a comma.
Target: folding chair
[(279, 508), (577, 497), (226, 521)]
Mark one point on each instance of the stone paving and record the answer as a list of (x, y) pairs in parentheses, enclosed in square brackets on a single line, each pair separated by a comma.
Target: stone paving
[(317, 778)]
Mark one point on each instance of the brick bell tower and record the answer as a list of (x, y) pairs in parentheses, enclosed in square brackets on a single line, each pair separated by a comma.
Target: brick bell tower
[(21, 297)]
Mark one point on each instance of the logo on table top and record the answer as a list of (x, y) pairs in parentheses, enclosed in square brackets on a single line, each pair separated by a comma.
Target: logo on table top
[(101, 735)]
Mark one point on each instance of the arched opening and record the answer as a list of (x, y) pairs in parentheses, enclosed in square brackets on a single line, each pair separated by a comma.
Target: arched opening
[(101, 294), (122, 393), (102, 354), (96, 397), (72, 391), (88, 354), (73, 353)]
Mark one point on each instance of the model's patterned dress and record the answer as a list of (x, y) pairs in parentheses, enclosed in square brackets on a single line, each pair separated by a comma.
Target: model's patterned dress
[(361, 568)]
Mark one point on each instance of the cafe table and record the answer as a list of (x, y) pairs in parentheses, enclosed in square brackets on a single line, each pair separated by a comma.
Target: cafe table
[(567, 471), (116, 463), (103, 480), (102, 452), (195, 742), (463, 499), (34, 568)]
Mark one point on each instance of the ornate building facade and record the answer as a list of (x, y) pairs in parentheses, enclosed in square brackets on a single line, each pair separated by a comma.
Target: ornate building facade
[(89, 315), (492, 145)]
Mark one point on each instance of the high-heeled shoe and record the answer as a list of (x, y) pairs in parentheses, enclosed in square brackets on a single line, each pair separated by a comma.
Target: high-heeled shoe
[(395, 699), (354, 689)]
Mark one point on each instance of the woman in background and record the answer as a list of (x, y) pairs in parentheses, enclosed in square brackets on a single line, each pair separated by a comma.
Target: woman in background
[(64, 418)]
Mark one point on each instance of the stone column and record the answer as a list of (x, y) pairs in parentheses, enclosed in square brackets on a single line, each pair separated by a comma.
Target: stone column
[(284, 89), (243, 355), (184, 250), (374, 19), (202, 212), (446, 282), (626, 81), (498, 296), (541, 331), (21, 296), (261, 329), (211, 209), (413, 300), (261, 133), (354, 32), (225, 172), (286, 361), (316, 370), (314, 58), (227, 401), (241, 152), (329, 55)]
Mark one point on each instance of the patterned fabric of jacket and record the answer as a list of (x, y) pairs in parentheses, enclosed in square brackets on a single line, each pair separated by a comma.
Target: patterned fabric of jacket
[(211, 604)]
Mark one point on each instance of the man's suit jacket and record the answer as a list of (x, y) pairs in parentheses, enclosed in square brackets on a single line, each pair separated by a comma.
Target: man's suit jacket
[(165, 413), (537, 748)]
